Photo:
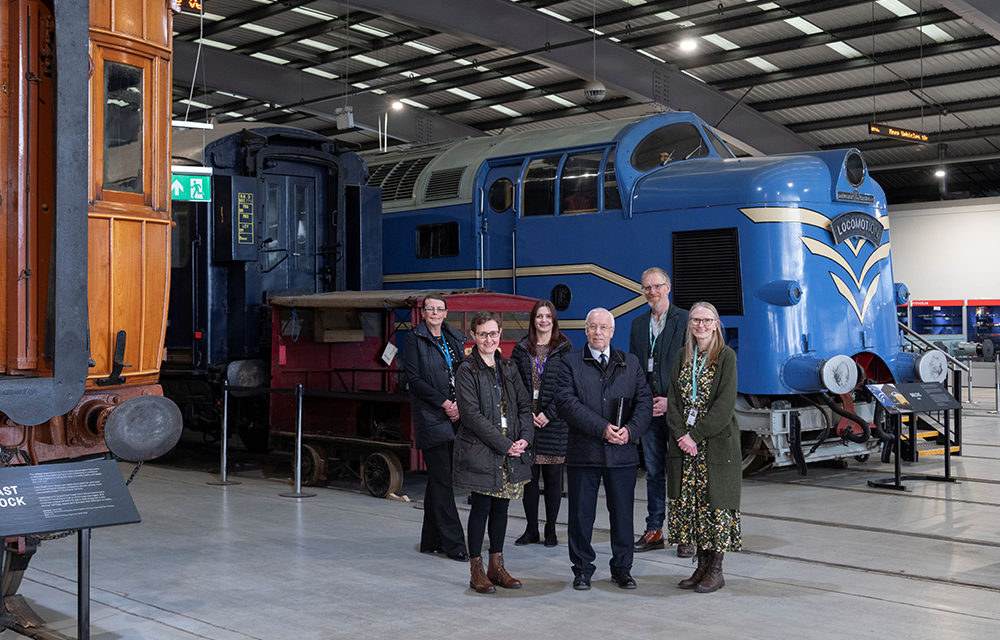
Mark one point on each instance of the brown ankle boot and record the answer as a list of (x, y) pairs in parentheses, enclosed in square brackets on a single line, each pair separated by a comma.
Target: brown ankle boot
[(498, 575), (699, 573), (479, 581), (713, 580)]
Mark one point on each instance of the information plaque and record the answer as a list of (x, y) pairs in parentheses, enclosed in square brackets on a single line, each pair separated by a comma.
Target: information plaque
[(63, 496), (916, 397)]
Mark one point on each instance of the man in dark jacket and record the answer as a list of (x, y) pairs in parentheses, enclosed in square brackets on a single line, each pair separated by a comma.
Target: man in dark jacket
[(604, 398), (656, 336), (431, 355)]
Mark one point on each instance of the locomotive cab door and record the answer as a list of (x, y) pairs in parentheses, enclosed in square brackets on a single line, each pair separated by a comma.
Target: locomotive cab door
[(498, 207), (294, 244)]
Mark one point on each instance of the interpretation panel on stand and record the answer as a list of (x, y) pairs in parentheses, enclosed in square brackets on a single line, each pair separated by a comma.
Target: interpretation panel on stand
[(63, 496)]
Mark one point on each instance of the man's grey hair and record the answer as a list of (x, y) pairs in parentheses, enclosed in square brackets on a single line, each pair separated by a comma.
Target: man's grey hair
[(597, 310)]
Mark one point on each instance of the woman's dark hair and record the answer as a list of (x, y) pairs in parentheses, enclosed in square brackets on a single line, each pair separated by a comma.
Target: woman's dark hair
[(557, 335), (434, 295), (482, 317)]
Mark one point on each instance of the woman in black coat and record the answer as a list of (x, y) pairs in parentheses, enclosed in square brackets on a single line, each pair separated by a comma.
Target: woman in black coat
[(491, 456), (430, 358), (538, 356)]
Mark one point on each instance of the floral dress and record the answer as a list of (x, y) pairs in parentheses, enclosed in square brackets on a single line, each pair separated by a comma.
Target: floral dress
[(691, 519), (510, 490)]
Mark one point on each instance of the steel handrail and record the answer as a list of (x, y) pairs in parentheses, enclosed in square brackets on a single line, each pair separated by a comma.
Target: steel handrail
[(916, 337)]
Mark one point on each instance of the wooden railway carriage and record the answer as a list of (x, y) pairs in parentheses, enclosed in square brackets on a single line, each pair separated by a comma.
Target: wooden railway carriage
[(356, 407), (85, 210)]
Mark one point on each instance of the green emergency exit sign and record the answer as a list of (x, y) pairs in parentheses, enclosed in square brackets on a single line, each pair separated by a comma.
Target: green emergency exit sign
[(190, 187)]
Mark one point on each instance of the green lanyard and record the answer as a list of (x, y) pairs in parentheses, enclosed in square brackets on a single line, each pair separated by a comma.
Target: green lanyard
[(695, 372)]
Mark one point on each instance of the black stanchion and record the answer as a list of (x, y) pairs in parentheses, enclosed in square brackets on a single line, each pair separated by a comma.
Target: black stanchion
[(83, 584), (224, 461)]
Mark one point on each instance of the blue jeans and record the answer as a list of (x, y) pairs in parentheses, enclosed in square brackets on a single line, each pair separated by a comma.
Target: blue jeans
[(654, 454)]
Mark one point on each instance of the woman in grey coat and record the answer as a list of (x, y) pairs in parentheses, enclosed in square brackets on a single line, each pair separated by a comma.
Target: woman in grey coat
[(491, 456)]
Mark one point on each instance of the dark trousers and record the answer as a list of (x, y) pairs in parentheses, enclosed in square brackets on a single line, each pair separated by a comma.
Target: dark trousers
[(619, 491), (654, 454), (442, 528), (487, 513), (552, 474)]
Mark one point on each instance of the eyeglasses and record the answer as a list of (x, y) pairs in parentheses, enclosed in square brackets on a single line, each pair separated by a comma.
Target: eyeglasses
[(604, 328), (482, 335), (436, 309), (707, 322), (650, 287)]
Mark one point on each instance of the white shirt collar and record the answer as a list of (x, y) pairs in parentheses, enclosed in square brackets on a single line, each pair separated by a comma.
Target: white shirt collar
[(597, 354)]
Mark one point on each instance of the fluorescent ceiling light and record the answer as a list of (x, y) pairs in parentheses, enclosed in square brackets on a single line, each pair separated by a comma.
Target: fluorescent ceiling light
[(372, 31), (845, 50), (504, 110), (721, 42), (935, 33), (422, 47), (463, 62), (557, 16), (319, 72), (897, 7), (316, 44), (195, 103), (269, 58), (428, 80), (762, 64), (462, 93), (234, 114), (650, 55), (250, 26), (367, 60), (561, 101), (803, 25), (634, 3), (231, 95), (517, 83), (216, 44), (413, 103), (313, 13)]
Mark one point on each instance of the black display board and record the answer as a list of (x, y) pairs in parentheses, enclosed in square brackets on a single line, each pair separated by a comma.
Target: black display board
[(63, 496), (914, 397)]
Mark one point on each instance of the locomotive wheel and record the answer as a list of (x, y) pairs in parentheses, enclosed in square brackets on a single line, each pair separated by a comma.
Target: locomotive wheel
[(755, 456), (10, 581), (382, 474), (313, 465)]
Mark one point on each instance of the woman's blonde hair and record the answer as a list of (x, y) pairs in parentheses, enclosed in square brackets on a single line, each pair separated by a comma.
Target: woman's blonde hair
[(718, 338)]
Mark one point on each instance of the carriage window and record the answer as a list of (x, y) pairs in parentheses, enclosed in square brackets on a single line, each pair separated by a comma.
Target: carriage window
[(674, 142), (578, 190), (539, 196), (272, 240), (180, 238), (122, 127), (437, 240), (302, 253), (612, 198), (501, 195)]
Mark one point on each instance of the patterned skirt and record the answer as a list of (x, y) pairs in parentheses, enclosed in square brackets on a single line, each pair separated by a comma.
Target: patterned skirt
[(692, 521), (510, 490)]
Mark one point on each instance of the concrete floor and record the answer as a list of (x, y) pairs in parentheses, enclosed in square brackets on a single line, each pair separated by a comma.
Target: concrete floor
[(825, 557)]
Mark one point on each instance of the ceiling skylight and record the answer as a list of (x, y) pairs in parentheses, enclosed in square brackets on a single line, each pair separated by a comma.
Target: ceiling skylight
[(650, 55), (845, 50), (216, 44), (505, 110), (557, 16), (720, 42), (250, 26), (372, 31), (561, 101), (517, 83), (422, 47), (897, 7), (762, 64), (803, 25), (319, 72), (316, 44), (268, 58), (462, 93), (369, 60), (413, 103), (935, 32)]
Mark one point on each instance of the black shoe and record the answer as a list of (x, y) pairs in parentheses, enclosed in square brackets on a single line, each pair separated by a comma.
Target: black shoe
[(582, 583), (528, 537), (434, 550), (459, 555), (624, 580), (685, 550), (551, 540)]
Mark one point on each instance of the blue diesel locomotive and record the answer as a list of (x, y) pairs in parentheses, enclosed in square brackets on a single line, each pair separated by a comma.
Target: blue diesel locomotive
[(792, 249)]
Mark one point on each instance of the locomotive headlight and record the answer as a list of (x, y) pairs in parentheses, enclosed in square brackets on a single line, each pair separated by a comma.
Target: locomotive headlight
[(143, 428), (855, 168), (932, 366), (839, 374)]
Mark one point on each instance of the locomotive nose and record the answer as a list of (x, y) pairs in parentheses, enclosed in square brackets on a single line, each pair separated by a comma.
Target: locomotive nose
[(143, 428)]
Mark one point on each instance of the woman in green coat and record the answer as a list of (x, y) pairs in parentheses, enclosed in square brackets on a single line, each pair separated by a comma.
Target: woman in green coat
[(704, 474)]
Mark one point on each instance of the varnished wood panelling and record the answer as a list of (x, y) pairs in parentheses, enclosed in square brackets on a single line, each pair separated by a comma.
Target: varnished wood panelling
[(126, 287), (99, 292), (155, 256), (100, 14), (128, 18)]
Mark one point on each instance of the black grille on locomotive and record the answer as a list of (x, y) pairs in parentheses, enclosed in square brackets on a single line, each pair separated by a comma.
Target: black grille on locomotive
[(707, 267)]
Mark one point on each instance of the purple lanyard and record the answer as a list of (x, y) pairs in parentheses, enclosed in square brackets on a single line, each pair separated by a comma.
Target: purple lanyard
[(540, 367)]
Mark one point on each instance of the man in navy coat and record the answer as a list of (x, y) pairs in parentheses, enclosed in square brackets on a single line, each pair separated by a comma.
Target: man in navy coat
[(605, 400)]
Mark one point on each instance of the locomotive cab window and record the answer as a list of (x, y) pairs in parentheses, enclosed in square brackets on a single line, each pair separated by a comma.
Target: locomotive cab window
[(539, 194), (437, 240), (612, 197), (123, 127), (501, 195), (674, 142), (578, 187)]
